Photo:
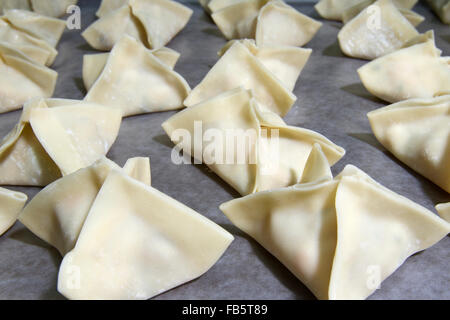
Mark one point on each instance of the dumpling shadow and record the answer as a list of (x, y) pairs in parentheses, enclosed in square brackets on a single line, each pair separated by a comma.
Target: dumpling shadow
[(357, 89), (164, 140), (213, 32), (333, 50), (80, 85), (370, 139)]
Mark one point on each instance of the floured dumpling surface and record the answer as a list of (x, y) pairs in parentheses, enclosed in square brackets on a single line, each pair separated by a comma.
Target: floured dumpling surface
[(153, 22), (378, 30), (11, 203), (270, 22), (55, 137), (417, 71), (135, 81), (273, 154), (137, 242), (239, 67), (327, 232), (417, 132), (57, 213), (51, 8)]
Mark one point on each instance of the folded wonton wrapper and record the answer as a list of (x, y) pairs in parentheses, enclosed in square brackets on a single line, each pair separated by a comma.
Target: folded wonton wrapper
[(266, 162), (442, 9), (417, 71), (22, 79), (137, 242), (107, 6), (335, 9), (57, 213), (285, 62), (35, 49), (364, 38), (239, 67), (42, 27), (54, 137), (51, 8), (444, 211), (417, 132), (93, 64), (135, 81), (270, 22), (340, 237), (11, 203), (153, 22)]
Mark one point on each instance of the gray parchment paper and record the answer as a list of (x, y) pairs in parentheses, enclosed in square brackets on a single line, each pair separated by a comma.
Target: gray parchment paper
[(331, 100)]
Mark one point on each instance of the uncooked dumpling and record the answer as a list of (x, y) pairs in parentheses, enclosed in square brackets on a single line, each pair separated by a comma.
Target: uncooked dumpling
[(11, 203), (442, 9), (55, 137), (93, 64), (153, 22), (52, 8), (137, 243), (280, 24), (268, 154), (108, 6), (285, 62), (417, 132), (14, 4), (239, 67), (328, 233), (418, 71), (444, 211), (135, 81), (57, 213), (370, 37), (22, 79)]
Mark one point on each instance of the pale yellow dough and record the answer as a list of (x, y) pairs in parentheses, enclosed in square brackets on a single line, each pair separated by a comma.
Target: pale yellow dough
[(11, 203), (54, 137), (417, 132), (441, 8), (51, 8), (137, 242), (444, 211), (135, 81), (338, 236), (237, 111)]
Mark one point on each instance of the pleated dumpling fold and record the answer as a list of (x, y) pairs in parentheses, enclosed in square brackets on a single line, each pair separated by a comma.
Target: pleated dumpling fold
[(417, 71), (11, 204), (22, 79), (56, 137), (239, 67), (57, 213), (441, 8), (267, 153), (270, 22), (153, 22), (417, 132), (378, 30), (136, 81), (51, 8), (341, 237), (444, 211), (335, 9), (137, 242)]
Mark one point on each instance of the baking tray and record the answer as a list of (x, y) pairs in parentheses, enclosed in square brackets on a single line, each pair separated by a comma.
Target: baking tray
[(331, 100)]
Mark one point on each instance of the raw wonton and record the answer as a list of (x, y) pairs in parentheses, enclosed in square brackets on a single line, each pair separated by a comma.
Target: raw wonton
[(93, 64), (153, 22), (340, 237), (22, 79), (442, 9), (11, 203), (417, 132), (137, 242), (35, 49), (39, 26), (239, 67), (418, 71), (444, 211), (270, 22), (374, 34), (57, 213), (334, 9), (51, 8), (136, 81), (55, 137), (108, 6), (268, 154), (285, 62)]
